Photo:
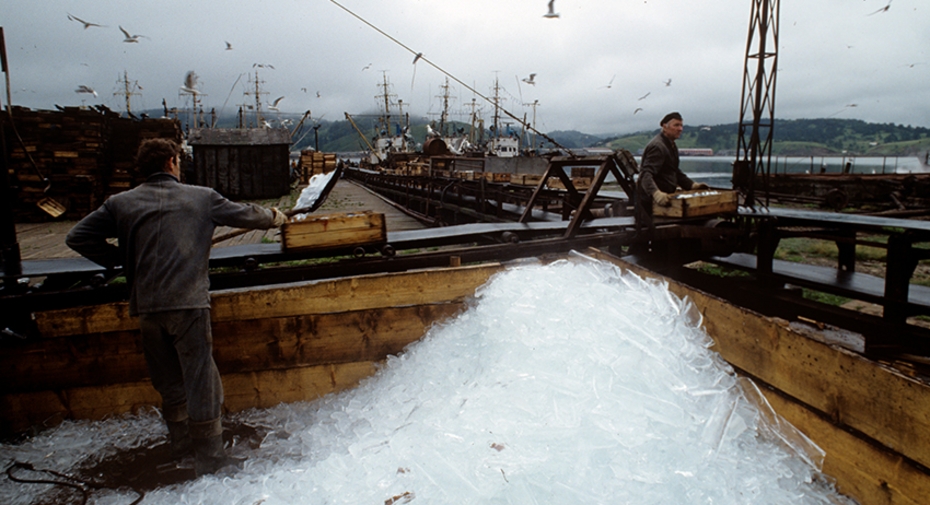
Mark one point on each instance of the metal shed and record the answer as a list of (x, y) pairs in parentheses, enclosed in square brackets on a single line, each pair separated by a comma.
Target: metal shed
[(241, 163)]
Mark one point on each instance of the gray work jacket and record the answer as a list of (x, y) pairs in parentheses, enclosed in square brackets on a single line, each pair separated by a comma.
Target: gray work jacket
[(659, 168), (165, 232)]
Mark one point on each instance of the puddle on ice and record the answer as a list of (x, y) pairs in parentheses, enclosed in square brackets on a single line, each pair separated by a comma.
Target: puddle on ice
[(562, 383)]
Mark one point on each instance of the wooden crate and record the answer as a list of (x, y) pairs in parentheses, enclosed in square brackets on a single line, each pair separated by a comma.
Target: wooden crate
[(700, 202), (333, 231), (526, 179), (496, 177)]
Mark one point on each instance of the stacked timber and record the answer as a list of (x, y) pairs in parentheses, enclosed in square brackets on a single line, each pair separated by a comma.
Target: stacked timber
[(314, 162), (77, 157)]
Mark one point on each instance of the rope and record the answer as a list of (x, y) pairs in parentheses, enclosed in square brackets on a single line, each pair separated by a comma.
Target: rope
[(420, 57), (83, 486)]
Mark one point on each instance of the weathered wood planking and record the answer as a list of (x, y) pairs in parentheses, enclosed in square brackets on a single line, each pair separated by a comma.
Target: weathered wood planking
[(343, 229), (316, 297), (259, 389), (866, 416), (269, 343), (98, 359)]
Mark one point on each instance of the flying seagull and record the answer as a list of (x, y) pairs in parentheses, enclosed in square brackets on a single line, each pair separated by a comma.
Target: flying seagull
[(274, 106), (551, 13), (611, 83), (883, 9), (228, 45), (130, 38), (637, 110), (529, 80), (366, 67), (644, 96), (262, 65), (190, 83), (668, 82), (85, 23), (86, 89)]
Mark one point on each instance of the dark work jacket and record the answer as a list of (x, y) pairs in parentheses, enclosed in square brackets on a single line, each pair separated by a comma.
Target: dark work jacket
[(658, 170), (165, 232)]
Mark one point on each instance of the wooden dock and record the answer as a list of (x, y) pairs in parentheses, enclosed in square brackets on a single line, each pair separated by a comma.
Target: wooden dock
[(47, 240)]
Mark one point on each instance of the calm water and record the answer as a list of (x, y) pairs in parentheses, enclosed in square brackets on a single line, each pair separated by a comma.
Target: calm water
[(718, 170)]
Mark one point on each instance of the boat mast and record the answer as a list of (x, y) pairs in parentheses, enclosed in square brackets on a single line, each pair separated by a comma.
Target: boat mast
[(259, 119), (386, 119), (127, 92)]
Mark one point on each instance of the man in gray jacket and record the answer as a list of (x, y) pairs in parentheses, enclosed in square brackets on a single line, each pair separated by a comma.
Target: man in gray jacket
[(659, 173), (164, 231)]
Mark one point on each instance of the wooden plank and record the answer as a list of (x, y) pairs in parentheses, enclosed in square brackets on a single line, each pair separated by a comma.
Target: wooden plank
[(261, 389), (367, 335), (314, 297), (880, 406), (861, 470), (353, 293), (239, 346)]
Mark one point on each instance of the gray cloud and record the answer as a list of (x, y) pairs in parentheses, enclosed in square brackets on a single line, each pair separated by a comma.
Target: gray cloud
[(832, 54)]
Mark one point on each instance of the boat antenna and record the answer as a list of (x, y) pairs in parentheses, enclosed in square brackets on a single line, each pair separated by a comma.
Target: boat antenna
[(420, 57)]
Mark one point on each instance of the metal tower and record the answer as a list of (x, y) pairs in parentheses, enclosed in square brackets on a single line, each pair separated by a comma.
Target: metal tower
[(757, 108)]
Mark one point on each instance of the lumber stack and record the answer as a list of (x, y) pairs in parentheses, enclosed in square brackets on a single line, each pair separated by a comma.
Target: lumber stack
[(76, 156), (314, 162)]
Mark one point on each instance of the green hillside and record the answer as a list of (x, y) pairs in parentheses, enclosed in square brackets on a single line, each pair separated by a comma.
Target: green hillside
[(801, 137)]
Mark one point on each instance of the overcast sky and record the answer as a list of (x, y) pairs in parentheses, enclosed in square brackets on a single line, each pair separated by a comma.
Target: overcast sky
[(595, 65)]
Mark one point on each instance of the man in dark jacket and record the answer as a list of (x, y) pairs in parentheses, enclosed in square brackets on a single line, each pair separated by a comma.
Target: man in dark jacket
[(164, 231), (659, 174)]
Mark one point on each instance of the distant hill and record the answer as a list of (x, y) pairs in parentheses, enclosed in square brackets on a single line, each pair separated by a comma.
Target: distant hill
[(795, 137), (800, 137)]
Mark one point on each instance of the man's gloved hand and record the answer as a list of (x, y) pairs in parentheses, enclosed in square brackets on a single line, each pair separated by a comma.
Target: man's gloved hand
[(661, 198), (279, 217), (699, 185)]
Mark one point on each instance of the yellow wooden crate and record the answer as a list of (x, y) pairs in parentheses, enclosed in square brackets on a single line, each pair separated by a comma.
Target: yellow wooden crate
[(332, 231), (700, 202)]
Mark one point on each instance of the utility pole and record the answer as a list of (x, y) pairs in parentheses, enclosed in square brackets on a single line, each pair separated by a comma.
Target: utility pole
[(754, 152)]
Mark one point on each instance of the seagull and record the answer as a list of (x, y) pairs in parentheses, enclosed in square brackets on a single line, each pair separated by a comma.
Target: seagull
[(190, 83), (417, 58), (705, 128), (551, 13), (668, 82), (611, 83), (644, 96), (263, 65), (228, 45), (637, 110), (883, 9), (130, 38), (274, 106), (303, 89), (366, 67), (86, 89), (529, 80), (318, 94), (85, 23)]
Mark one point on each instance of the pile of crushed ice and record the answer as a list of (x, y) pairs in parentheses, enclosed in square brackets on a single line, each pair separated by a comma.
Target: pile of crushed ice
[(568, 382)]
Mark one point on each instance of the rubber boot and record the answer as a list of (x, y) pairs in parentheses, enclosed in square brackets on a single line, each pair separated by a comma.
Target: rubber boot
[(178, 430), (209, 454)]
